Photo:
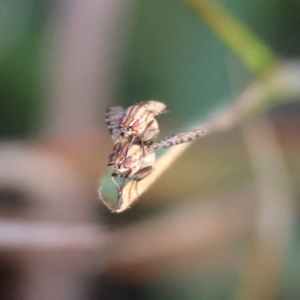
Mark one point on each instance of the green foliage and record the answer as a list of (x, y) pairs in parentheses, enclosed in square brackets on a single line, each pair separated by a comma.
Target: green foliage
[(175, 59), (19, 66), (19, 81)]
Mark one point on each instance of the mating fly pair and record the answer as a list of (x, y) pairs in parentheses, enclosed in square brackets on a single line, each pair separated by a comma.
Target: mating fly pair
[(134, 131)]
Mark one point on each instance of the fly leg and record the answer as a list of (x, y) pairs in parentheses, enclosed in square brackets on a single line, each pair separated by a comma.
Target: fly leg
[(119, 188), (131, 142), (139, 175), (120, 193), (113, 175)]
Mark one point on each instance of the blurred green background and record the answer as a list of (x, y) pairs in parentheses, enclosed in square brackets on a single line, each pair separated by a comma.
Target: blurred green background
[(158, 49), (171, 55)]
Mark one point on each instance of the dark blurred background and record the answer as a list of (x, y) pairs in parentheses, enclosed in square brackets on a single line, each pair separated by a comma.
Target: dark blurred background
[(222, 223)]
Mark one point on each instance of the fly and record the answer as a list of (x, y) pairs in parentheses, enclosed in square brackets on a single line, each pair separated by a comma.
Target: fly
[(134, 161), (136, 122)]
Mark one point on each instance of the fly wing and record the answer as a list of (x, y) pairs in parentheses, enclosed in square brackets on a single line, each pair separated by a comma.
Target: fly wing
[(112, 116), (155, 107), (180, 138)]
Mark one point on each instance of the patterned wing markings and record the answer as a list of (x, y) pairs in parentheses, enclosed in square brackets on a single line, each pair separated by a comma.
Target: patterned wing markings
[(112, 116)]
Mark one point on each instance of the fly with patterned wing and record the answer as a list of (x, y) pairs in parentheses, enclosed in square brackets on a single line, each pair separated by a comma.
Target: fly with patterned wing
[(134, 131), (134, 161), (136, 122)]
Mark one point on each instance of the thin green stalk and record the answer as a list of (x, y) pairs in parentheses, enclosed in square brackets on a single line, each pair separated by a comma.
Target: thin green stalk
[(253, 51)]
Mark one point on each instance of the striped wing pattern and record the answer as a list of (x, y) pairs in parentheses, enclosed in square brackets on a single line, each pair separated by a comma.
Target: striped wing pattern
[(112, 116), (180, 138)]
